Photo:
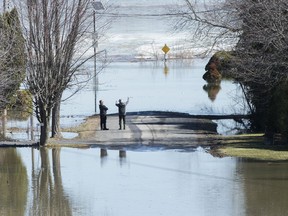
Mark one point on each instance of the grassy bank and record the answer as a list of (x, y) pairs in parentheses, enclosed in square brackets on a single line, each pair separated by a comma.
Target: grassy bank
[(243, 146), (86, 129), (252, 147)]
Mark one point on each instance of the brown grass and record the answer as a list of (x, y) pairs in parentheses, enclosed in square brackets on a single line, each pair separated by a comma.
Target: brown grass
[(85, 130)]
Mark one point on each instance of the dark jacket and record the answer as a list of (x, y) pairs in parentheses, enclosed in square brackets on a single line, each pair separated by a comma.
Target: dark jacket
[(122, 107), (103, 110)]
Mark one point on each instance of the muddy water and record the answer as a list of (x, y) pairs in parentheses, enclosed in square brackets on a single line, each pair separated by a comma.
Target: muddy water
[(143, 182)]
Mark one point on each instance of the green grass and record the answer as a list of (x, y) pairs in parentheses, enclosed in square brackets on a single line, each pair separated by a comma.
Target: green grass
[(250, 146), (255, 153)]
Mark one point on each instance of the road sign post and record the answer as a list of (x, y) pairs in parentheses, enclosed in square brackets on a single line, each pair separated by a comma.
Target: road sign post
[(165, 49)]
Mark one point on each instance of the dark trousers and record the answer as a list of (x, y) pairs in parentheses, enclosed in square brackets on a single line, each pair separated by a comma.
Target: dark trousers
[(122, 119), (103, 119)]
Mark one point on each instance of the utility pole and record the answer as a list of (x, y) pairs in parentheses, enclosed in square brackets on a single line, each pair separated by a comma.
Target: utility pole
[(95, 61), (4, 6), (97, 5)]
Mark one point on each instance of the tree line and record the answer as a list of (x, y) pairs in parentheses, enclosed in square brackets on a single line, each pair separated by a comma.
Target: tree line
[(256, 31), (12, 56), (42, 45)]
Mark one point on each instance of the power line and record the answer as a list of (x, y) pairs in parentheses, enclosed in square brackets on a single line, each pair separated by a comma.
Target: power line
[(139, 15)]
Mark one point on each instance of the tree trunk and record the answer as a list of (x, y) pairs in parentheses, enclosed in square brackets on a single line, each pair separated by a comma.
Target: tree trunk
[(44, 133), (44, 117), (4, 122), (56, 131)]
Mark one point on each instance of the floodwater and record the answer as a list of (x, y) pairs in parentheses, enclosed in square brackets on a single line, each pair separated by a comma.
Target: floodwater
[(180, 88), (175, 86), (67, 181), (145, 182), (139, 31)]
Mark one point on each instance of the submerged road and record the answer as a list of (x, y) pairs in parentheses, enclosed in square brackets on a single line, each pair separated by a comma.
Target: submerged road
[(156, 129), (167, 130)]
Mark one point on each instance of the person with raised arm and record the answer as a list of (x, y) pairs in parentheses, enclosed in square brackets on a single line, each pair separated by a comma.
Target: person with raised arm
[(122, 112)]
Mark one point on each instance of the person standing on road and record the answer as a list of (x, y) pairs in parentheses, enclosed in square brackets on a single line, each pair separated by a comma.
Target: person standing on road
[(122, 112), (103, 115)]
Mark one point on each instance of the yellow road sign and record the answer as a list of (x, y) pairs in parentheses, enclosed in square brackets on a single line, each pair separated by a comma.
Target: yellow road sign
[(165, 49)]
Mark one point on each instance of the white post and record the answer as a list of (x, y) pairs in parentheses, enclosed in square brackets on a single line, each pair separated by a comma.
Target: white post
[(95, 60), (4, 6), (97, 5), (4, 122)]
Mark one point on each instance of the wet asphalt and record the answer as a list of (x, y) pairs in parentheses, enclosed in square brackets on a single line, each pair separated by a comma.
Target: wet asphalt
[(144, 130), (158, 130)]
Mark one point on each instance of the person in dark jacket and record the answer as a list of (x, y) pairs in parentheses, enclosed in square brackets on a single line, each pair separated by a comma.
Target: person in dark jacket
[(103, 115), (122, 112)]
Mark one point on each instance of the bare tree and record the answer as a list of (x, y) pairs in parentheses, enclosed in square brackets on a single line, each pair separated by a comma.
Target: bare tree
[(55, 31), (262, 46), (208, 24), (258, 31), (261, 60)]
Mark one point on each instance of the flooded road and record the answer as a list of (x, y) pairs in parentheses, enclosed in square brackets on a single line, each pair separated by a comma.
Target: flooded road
[(143, 182), (181, 89)]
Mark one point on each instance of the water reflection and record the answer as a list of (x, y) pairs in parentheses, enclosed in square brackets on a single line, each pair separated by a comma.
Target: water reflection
[(212, 88), (104, 156), (166, 69), (265, 187), (103, 152), (49, 197), (75, 182), (13, 183), (182, 83), (122, 153), (122, 157)]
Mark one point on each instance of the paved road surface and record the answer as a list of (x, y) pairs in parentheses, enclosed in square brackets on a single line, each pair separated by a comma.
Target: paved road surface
[(154, 129), (148, 129)]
